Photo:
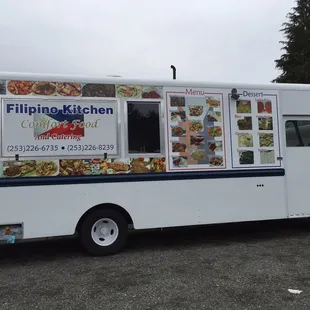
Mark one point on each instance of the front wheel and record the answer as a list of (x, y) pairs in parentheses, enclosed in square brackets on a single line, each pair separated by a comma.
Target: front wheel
[(104, 232)]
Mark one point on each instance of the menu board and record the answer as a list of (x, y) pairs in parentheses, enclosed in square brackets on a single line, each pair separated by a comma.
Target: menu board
[(195, 131), (254, 130)]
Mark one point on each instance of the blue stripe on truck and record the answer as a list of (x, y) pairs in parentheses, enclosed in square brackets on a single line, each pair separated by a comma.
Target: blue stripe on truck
[(168, 176)]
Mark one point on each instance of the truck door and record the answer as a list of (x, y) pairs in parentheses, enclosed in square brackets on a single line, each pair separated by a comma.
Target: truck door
[(297, 164)]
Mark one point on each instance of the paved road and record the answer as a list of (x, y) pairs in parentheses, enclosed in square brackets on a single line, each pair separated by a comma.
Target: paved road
[(238, 266)]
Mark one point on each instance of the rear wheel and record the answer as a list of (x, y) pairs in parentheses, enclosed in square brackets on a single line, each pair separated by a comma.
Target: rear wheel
[(104, 232)]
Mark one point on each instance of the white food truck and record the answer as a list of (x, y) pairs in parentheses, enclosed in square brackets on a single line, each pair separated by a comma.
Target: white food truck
[(96, 156)]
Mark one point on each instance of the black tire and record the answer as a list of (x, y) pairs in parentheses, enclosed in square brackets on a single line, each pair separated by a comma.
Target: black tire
[(86, 238)]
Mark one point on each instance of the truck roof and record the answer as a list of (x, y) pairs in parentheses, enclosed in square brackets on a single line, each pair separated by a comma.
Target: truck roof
[(153, 82)]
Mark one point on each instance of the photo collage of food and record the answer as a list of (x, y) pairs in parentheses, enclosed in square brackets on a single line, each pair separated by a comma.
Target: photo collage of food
[(79, 167), (254, 124), (70, 89), (195, 132)]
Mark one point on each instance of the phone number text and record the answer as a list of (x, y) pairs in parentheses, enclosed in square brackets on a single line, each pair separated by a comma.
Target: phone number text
[(55, 148), (33, 148), (90, 147)]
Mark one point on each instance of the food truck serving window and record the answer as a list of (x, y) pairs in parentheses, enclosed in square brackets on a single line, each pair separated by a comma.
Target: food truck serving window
[(143, 127)]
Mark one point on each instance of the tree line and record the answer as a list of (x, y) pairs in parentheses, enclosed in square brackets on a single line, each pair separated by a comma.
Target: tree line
[(294, 63)]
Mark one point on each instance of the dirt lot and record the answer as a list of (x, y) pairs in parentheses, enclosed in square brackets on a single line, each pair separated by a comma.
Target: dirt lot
[(237, 266)]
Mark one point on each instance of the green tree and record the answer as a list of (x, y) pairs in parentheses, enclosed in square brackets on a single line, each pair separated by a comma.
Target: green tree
[(295, 61)]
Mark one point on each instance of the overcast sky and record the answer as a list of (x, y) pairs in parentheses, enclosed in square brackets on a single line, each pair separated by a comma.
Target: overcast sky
[(208, 40)]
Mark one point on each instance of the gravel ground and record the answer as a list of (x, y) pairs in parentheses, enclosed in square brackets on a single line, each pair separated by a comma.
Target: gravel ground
[(235, 266)]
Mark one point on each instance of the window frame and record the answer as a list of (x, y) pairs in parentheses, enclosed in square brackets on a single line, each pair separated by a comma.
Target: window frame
[(161, 128)]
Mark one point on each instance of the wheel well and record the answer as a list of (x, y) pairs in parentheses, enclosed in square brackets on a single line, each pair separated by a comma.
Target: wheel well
[(105, 206)]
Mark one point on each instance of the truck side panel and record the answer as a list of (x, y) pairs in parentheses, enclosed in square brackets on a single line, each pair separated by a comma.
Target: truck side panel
[(55, 210)]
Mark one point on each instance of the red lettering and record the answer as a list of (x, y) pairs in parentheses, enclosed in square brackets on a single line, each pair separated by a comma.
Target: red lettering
[(194, 92)]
